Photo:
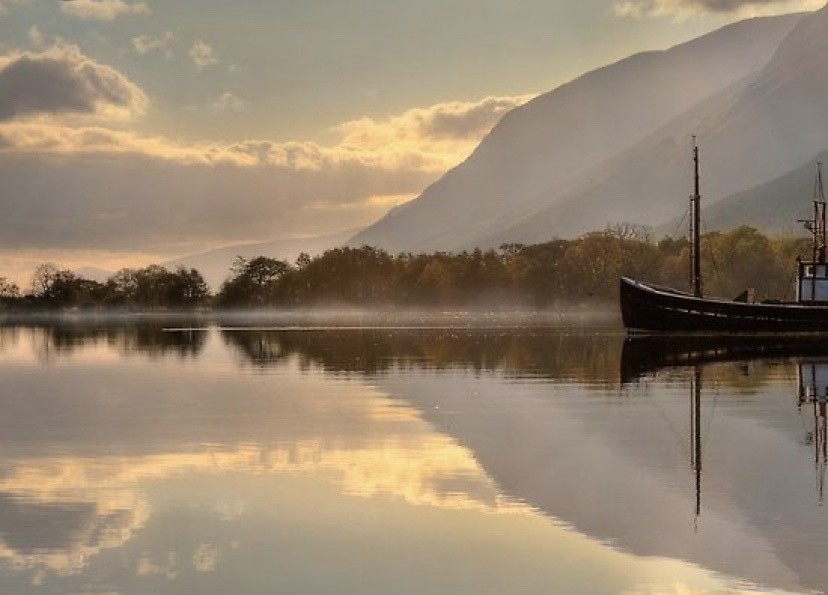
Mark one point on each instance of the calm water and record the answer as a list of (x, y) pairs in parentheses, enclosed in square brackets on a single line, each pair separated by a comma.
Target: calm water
[(228, 460)]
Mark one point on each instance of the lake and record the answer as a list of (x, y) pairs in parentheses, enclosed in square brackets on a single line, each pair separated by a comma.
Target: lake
[(144, 456)]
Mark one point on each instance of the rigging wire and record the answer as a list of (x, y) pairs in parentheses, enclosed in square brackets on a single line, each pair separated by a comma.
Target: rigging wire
[(672, 427), (658, 255), (712, 415), (713, 261)]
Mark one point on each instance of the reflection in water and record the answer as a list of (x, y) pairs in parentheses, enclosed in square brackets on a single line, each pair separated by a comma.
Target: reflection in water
[(644, 354), (579, 354), (56, 513), (137, 459), (126, 336), (649, 354), (813, 390), (644, 358), (695, 433)]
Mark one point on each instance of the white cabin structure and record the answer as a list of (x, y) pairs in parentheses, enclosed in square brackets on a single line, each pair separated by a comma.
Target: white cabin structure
[(812, 282)]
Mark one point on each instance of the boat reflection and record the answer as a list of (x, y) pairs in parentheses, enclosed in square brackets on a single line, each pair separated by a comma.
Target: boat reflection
[(649, 355), (813, 392), (646, 354)]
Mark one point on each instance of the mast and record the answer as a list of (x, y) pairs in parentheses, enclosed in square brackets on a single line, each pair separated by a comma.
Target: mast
[(695, 223), (819, 217)]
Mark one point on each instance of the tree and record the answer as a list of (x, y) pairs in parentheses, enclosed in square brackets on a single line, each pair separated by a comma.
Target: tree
[(62, 288), (738, 259), (155, 286), (185, 288), (303, 260), (253, 282), (8, 290), (43, 277)]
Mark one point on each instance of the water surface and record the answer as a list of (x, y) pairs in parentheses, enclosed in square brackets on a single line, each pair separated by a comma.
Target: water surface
[(142, 458)]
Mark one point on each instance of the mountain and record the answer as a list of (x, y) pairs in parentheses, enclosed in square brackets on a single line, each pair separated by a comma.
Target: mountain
[(94, 273), (552, 144), (773, 207), (214, 265), (760, 128)]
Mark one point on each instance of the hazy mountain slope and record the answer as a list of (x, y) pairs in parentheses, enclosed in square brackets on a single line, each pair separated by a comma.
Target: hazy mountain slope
[(773, 207), (94, 273), (214, 265), (538, 149), (751, 134)]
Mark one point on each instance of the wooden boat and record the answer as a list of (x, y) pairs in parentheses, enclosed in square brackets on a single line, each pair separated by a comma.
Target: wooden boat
[(646, 307)]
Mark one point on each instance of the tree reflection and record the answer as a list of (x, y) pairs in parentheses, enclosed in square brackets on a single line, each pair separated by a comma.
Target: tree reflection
[(146, 337), (534, 352)]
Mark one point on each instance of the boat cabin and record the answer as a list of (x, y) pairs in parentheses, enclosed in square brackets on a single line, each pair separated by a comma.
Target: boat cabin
[(812, 282), (812, 275)]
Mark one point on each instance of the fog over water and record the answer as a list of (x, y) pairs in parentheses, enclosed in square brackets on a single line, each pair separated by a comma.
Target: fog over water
[(333, 316)]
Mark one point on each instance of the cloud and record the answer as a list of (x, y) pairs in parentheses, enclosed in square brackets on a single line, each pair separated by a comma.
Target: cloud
[(5, 4), (144, 44), (681, 9), (228, 102), (131, 202), (63, 81), (450, 129), (428, 140), (452, 120), (205, 557), (147, 567), (203, 55), (123, 190), (36, 36), (102, 10)]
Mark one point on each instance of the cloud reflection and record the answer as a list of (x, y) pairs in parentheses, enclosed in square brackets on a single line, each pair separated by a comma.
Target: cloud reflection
[(57, 513)]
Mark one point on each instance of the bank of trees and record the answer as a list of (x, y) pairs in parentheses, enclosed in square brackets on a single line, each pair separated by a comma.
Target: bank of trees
[(540, 275), (151, 287)]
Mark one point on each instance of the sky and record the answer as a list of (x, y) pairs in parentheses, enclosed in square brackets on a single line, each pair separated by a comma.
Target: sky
[(135, 131)]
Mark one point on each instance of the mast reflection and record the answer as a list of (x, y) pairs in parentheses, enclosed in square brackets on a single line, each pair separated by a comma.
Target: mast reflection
[(695, 432), (813, 390), (648, 355)]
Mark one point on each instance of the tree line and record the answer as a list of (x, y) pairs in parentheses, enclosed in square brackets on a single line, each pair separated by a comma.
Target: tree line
[(539, 275)]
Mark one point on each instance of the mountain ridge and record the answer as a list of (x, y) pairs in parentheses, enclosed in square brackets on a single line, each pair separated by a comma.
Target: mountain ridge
[(750, 136), (524, 160)]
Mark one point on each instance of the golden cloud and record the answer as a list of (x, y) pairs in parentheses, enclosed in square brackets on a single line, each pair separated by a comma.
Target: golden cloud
[(682, 9), (424, 139), (102, 10), (203, 55), (392, 157), (451, 129), (144, 44)]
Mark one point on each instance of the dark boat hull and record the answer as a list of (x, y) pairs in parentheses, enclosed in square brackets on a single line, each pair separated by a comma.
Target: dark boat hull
[(648, 308)]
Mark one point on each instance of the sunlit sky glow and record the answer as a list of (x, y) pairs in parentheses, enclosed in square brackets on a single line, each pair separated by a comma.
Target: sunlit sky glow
[(324, 114)]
